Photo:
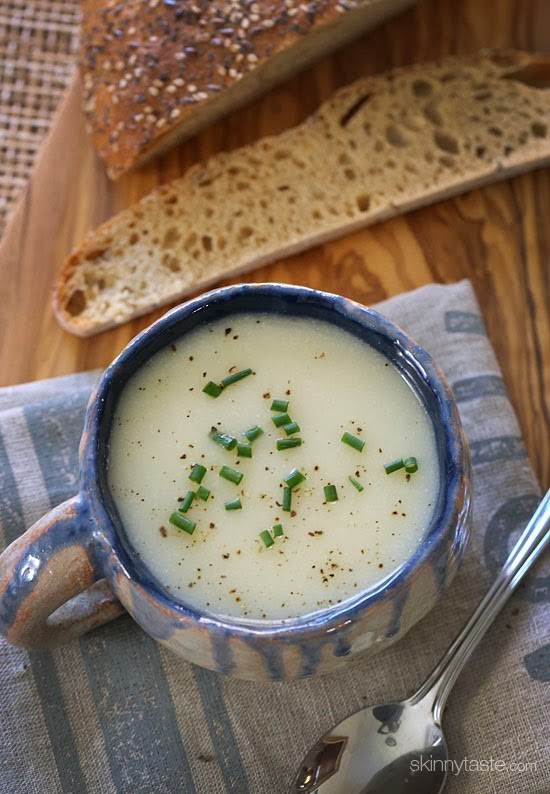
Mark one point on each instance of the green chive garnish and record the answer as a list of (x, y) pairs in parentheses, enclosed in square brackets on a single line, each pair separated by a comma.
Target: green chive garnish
[(182, 522), (252, 433), (291, 428), (231, 475), (294, 477), (203, 493), (235, 376), (266, 537), (186, 503), (353, 441), (244, 450), (287, 499), (280, 419), (225, 441), (356, 483), (288, 443), (330, 493), (212, 389), (234, 504), (278, 530), (411, 465), (197, 473), (394, 465), (279, 405)]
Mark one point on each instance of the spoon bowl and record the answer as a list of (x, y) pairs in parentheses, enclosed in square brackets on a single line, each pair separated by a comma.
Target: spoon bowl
[(399, 747)]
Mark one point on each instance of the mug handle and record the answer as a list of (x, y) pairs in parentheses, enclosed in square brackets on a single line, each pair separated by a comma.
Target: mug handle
[(49, 589)]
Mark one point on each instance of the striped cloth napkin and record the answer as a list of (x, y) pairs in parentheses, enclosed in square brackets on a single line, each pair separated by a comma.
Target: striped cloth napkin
[(114, 712)]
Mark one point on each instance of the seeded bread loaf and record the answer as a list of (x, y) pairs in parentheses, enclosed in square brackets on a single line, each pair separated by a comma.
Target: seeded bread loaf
[(156, 72), (379, 146)]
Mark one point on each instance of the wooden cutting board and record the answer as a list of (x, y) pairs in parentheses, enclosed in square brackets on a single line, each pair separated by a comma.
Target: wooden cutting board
[(497, 236)]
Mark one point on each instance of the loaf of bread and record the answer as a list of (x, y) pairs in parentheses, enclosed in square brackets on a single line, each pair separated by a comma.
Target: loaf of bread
[(155, 72), (378, 147)]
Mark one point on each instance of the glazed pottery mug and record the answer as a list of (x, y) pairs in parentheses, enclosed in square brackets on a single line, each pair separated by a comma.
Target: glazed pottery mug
[(75, 568)]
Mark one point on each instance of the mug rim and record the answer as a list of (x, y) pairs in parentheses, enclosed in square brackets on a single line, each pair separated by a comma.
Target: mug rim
[(451, 483)]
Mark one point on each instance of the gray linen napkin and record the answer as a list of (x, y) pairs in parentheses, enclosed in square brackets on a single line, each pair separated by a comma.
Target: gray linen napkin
[(115, 712)]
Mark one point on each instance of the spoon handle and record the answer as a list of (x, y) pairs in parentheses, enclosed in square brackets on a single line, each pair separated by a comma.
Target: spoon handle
[(529, 546)]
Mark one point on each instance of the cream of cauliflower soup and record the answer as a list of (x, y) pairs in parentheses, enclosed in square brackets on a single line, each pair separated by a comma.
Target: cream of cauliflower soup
[(269, 466)]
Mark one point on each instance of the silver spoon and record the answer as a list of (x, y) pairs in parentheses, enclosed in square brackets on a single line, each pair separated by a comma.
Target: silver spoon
[(399, 748)]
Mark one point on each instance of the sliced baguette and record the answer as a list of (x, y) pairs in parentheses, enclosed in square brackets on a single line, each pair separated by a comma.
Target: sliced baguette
[(378, 147)]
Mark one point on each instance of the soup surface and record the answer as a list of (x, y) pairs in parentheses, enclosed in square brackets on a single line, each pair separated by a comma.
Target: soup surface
[(165, 423)]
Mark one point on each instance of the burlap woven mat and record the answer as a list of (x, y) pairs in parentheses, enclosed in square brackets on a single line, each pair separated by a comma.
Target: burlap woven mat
[(38, 46)]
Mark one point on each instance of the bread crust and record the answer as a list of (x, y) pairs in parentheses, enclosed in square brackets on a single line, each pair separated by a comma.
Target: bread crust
[(378, 147)]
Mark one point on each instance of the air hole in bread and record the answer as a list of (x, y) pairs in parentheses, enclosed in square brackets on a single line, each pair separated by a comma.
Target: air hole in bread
[(349, 173), (171, 263), (76, 303), (206, 242), (445, 142), (480, 151), (481, 96), (363, 202), (245, 232), (283, 187), (496, 131), (395, 137), (539, 130), (190, 241), (171, 237), (432, 114), (91, 256), (221, 243), (354, 109), (134, 237), (447, 161), (422, 88), (173, 199), (242, 186)]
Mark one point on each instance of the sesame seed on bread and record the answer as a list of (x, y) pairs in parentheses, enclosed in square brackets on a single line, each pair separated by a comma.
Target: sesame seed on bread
[(155, 72), (376, 148)]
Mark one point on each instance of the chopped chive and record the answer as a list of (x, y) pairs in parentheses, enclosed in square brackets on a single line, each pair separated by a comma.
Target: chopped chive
[(291, 428), (394, 465), (288, 443), (356, 483), (225, 441), (212, 389), (411, 465), (235, 376), (197, 472), (233, 504), (203, 493), (353, 441), (278, 530), (280, 419), (182, 522), (279, 405), (231, 475), (244, 450), (252, 433), (330, 493), (186, 503), (287, 499), (266, 537), (294, 477)]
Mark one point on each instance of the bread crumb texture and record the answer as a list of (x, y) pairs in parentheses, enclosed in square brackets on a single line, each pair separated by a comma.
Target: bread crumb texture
[(378, 147)]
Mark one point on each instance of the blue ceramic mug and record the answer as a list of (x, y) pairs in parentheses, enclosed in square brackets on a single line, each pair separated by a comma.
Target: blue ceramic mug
[(75, 569)]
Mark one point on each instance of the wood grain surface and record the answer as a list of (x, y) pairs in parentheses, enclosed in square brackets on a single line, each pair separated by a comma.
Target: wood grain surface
[(497, 236)]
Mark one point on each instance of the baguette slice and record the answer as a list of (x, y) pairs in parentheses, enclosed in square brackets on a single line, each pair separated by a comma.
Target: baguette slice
[(378, 147), (155, 72)]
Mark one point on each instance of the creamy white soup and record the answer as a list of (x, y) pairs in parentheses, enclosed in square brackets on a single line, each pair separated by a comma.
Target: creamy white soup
[(244, 551)]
